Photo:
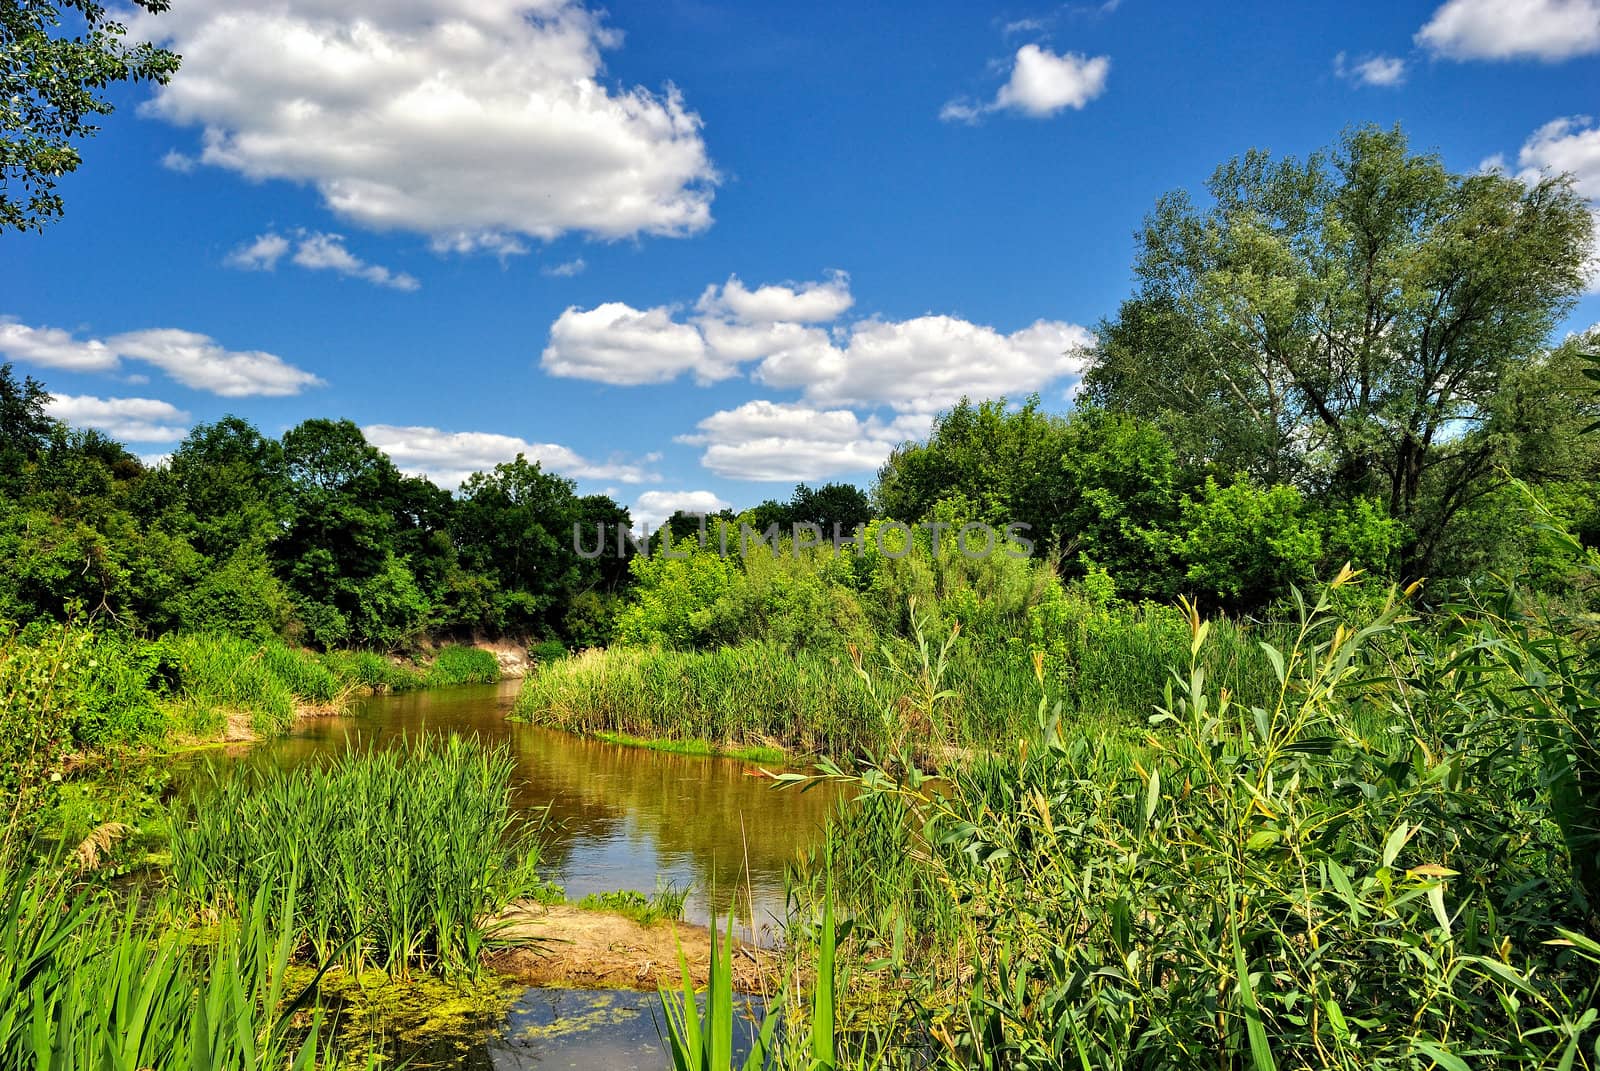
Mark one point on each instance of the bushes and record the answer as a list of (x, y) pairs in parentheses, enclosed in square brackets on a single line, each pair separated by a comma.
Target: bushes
[(392, 858), (1363, 869), (463, 665)]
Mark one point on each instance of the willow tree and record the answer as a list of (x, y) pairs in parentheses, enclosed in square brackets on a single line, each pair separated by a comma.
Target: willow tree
[(1347, 323)]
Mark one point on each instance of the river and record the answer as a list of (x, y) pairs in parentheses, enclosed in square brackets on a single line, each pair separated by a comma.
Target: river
[(614, 818)]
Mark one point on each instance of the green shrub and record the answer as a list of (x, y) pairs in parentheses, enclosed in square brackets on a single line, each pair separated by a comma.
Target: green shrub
[(463, 665), (1369, 867)]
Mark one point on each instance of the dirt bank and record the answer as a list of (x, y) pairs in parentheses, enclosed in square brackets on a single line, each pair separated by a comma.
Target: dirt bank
[(563, 945)]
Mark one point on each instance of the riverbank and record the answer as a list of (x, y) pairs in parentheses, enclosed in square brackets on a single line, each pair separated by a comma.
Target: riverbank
[(568, 945)]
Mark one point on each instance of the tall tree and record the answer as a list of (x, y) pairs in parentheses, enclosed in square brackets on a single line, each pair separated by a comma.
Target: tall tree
[(1348, 322), (57, 58)]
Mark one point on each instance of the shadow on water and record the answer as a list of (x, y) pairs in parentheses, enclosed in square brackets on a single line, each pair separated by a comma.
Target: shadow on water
[(619, 818)]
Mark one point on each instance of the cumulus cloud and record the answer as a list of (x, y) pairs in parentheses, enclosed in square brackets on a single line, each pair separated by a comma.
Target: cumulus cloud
[(316, 251), (54, 348), (260, 254), (449, 457), (816, 302), (198, 361), (653, 508), (1370, 70), (470, 121), (780, 441), (619, 344), (135, 420), (1042, 84), (929, 362), (1513, 29), (193, 359), (917, 365), (1568, 145)]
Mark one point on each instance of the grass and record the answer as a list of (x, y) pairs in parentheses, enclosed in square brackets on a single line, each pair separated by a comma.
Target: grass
[(665, 903), (1108, 665), (765, 755), (1369, 867), (462, 665), (395, 858), (88, 984)]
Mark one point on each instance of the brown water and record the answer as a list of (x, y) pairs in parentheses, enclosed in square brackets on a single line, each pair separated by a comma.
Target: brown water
[(617, 817)]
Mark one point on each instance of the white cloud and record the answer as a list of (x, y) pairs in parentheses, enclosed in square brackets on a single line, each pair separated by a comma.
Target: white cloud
[(262, 254), (779, 441), (53, 348), (316, 251), (653, 508), (616, 343), (1371, 70), (449, 457), (1570, 145), (327, 252), (566, 269), (1042, 83), (815, 302), (182, 163), (1513, 29), (135, 420), (929, 362), (916, 365), (471, 121), (193, 359), (198, 361)]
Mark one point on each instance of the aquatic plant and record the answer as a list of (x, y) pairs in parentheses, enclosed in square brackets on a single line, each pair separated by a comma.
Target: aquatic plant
[(87, 985), (396, 858)]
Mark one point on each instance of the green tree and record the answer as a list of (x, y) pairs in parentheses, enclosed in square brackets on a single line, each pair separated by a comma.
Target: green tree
[(1346, 323), (26, 429), (59, 57)]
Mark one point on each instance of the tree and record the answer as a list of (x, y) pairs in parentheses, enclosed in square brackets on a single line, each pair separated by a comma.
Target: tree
[(25, 427), (841, 504), (1346, 323), (52, 84)]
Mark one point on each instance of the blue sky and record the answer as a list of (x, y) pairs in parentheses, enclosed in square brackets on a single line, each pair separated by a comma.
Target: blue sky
[(692, 252)]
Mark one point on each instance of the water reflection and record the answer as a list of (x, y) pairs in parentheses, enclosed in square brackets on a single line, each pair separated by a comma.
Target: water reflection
[(619, 818)]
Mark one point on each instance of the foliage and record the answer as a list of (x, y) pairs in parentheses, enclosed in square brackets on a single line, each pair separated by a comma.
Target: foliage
[(463, 665), (1363, 869), (85, 984), (1351, 323), (51, 86), (394, 858)]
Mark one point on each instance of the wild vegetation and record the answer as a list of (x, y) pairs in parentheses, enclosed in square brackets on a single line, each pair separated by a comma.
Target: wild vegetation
[(391, 858), (1201, 774)]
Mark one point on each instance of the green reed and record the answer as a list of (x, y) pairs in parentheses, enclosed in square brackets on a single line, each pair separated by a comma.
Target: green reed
[(395, 858), (88, 985)]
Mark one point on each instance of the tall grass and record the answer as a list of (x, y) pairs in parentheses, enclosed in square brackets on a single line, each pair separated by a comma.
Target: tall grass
[(218, 675), (394, 858), (1107, 665), (1365, 868), (463, 665), (90, 986), (748, 694)]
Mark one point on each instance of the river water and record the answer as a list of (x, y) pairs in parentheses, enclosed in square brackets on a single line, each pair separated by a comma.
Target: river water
[(614, 818)]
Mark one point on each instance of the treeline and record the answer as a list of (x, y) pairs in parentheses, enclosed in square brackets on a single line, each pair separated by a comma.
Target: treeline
[(315, 537), (1346, 358)]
